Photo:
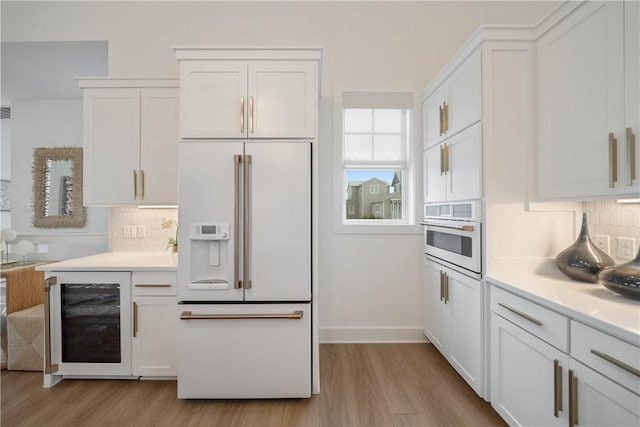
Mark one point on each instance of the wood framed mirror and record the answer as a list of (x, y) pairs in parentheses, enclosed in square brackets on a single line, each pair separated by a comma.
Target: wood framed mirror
[(57, 188)]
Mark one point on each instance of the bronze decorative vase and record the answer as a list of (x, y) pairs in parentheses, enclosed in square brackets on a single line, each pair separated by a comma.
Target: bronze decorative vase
[(583, 260), (623, 279)]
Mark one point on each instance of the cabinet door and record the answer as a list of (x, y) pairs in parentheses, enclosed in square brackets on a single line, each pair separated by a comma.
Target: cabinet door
[(464, 164), (213, 99), (434, 187), (279, 215), (282, 100), (580, 102), (434, 307), (154, 336), (111, 120), (632, 95), (159, 146), (601, 402), (464, 327), (432, 106), (523, 376), (464, 106)]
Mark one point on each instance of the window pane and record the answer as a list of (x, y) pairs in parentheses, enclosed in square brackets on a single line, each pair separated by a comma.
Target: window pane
[(358, 120), (357, 147), (373, 194), (387, 121), (387, 147)]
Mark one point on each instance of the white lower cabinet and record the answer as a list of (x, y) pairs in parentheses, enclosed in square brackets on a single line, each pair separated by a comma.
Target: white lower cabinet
[(524, 377), (538, 379), (244, 351), (453, 319), (154, 324), (598, 401)]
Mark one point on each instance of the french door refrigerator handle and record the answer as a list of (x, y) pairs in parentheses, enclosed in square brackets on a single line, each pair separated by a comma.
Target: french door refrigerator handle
[(236, 221), (46, 285), (245, 224), (188, 315)]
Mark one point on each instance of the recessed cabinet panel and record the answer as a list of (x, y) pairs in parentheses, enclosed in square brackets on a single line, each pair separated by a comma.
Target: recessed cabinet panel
[(213, 99), (464, 105), (432, 110), (111, 145), (434, 308), (283, 100), (154, 336)]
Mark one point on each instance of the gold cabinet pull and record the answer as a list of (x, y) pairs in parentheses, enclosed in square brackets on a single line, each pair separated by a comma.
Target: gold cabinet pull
[(441, 285), (141, 184), (521, 314), (445, 109), (573, 399), (251, 114), (242, 114), (247, 219), (442, 159), (236, 222), (135, 184), (446, 158), (441, 118), (49, 368), (446, 288), (152, 285), (557, 388), (616, 362), (613, 160), (631, 156), (188, 315), (135, 319)]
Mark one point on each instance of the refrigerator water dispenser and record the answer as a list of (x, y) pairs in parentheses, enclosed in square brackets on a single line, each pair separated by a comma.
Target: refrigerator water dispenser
[(209, 256)]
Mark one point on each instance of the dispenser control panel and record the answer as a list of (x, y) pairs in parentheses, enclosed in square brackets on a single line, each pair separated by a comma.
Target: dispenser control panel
[(208, 231)]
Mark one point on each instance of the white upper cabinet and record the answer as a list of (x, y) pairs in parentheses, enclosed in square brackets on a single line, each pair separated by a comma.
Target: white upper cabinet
[(453, 169), (130, 141), (456, 103), (586, 119), (248, 94)]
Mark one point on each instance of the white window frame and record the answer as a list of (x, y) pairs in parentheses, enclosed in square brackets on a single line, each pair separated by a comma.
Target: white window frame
[(373, 187), (408, 224)]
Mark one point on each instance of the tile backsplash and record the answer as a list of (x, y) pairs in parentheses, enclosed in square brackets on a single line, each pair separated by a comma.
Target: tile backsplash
[(140, 230), (615, 220)]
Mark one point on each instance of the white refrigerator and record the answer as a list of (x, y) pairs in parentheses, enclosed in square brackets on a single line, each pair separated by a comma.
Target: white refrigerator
[(244, 269)]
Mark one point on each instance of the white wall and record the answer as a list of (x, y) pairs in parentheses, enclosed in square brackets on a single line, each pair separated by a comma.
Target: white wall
[(369, 285)]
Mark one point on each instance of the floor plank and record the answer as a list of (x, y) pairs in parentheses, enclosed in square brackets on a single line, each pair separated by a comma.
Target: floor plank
[(395, 385)]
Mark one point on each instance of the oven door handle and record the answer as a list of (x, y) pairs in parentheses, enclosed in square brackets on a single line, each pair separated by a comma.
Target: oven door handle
[(452, 227)]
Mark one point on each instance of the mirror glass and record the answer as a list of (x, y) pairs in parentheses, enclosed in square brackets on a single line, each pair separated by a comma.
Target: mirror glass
[(57, 187)]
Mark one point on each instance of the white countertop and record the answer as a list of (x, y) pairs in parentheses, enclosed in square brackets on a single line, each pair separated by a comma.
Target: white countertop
[(117, 261), (589, 303)]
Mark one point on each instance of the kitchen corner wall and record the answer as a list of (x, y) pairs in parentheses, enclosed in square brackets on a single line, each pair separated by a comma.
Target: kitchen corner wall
[(615, 220), (147, 223)]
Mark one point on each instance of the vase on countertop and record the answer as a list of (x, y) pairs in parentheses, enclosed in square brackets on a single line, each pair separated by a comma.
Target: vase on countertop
[(623, 279), (583, 260)]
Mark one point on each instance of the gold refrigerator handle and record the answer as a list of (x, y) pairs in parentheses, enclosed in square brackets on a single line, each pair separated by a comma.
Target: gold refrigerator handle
[(631, 156), (251, 114), (557, 388), (242, 114), (613, 160), (188, 315), (46, 285), (246, 281), (135, 319), (135, 184), (236, 222)]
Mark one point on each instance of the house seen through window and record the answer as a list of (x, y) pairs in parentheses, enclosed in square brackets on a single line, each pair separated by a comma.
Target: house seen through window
[(375, 151)]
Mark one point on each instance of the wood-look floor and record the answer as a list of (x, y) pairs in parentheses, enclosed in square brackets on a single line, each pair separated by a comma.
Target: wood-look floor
[(361, 385)]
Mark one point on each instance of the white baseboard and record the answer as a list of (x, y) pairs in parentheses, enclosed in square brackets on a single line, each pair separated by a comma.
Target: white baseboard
[(371, 335)]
